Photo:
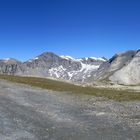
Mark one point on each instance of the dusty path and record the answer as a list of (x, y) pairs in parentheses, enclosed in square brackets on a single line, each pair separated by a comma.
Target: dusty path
[(28, 113)]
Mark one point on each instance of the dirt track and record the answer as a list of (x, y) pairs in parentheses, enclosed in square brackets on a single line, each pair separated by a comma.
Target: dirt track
[(28, 113)]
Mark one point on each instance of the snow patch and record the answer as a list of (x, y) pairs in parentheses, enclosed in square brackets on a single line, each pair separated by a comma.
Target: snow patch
[(36, 58), (67, 57), (88, 67), (57, 71), (83, 72), (80, 59), (6, 59), (101, 59), (70, 58), (31, 60)]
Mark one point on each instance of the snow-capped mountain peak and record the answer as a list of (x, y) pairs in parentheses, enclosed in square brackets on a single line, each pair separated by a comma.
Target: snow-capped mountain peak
[(51, 65), (67, 57), (121, 68), (81, 59)]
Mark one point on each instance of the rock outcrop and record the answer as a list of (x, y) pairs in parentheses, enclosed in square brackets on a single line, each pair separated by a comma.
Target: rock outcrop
[(129, 74)]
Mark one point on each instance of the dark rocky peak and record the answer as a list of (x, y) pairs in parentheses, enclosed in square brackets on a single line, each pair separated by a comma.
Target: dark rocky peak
[(122, 57), (46, 57), (48, 54), (138, 53), (113, 58)]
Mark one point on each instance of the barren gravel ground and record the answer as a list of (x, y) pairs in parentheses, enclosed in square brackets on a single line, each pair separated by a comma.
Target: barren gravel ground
[(28, 113)]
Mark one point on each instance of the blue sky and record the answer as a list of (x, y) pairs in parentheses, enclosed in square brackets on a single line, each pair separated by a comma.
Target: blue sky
[(73, 27)]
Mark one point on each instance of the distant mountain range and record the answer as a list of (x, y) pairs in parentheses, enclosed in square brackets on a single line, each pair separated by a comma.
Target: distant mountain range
[(123, 68)]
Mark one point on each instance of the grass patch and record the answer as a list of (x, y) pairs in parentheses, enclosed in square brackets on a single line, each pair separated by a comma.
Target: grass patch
[(118, 95)]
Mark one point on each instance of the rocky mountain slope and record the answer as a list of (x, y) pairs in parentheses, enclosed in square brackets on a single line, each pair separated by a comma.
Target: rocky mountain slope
[(129, 74), (51, 65), (123, 68)]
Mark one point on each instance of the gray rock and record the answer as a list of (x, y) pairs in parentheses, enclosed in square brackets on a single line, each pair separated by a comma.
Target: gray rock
[(122, 68), (117, 62), (51, 65), (130, 73)]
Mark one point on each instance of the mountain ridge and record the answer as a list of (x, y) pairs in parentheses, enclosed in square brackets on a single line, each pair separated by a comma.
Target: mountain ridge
[(122, 68)]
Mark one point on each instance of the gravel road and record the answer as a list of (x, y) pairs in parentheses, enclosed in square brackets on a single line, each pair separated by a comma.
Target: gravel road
[(28, 113)]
